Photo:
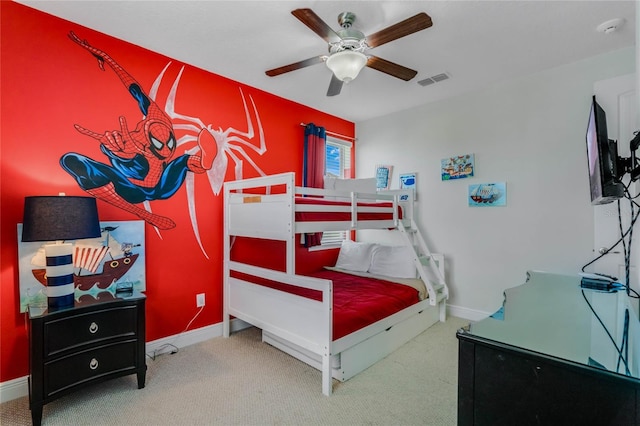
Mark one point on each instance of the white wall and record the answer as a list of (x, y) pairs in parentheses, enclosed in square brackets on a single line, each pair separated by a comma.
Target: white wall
[(529, 133)]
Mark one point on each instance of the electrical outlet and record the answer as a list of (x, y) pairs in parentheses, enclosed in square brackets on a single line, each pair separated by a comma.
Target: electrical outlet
[(199, 300)]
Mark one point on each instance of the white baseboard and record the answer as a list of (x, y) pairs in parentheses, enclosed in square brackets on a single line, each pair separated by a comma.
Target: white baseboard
[(466, 313), (13, 389), (188, 338), (17, 388), (177, 341)]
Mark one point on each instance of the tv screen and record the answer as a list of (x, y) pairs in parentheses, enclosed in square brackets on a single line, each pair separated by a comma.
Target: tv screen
[(602, 156)]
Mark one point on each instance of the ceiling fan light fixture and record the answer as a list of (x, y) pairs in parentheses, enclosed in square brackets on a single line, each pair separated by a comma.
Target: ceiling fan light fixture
[(346, 64)]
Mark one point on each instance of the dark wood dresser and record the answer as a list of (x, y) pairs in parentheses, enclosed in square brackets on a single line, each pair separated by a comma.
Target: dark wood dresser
[(97, 339), (555, 354)]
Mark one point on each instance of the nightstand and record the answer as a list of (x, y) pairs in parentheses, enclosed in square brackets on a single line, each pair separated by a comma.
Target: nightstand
[(97, 339)]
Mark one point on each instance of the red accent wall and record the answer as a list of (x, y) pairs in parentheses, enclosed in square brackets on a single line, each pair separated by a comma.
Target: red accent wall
[(49, 84)]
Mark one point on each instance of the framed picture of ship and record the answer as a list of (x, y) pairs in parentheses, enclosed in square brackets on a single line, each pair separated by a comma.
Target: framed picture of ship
[(113, 262), (488, 195), (458, 167)]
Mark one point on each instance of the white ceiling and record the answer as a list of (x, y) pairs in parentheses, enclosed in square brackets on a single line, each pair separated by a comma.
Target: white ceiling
[(477, 43)]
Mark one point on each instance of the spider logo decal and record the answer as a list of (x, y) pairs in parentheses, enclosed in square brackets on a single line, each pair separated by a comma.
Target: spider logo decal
[(231, 144)]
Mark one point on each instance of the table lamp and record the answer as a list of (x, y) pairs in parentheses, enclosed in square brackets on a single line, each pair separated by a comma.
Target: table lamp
[(59, 218)]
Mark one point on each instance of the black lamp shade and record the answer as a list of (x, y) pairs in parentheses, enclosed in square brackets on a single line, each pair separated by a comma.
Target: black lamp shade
[(54, 218)]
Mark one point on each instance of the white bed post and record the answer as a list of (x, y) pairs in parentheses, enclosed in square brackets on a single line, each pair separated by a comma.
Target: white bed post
[(291, 248), (327, 380), (442, 311), (327, 309), (225, 266)]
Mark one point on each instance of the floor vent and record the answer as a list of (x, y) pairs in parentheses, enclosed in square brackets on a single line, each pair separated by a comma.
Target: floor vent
[(433, 79)]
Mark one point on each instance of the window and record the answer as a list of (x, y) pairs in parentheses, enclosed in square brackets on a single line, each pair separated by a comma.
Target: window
[(337, 164), (338, 158)]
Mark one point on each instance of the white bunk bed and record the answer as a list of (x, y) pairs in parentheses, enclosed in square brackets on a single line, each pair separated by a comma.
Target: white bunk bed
[(267, 208)]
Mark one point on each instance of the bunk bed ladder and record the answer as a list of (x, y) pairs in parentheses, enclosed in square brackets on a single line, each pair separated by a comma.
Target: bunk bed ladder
[(426, 261)]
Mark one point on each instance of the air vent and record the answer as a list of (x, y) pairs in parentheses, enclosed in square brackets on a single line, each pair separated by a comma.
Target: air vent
[(434, 79)]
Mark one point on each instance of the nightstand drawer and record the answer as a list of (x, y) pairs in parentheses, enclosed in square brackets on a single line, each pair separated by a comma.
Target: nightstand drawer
[(113, 359), (93, 327)]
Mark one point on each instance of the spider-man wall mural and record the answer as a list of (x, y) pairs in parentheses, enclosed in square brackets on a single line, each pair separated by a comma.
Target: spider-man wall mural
[(144, 164)]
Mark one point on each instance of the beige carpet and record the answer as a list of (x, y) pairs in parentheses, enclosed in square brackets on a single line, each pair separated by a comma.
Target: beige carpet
[(242, 381)]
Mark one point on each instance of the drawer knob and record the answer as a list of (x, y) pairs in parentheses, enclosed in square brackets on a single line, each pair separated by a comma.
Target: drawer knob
[(93, 364), (93, 328)]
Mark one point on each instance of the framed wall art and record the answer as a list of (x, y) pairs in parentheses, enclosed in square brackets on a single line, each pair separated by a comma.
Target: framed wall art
[(383, 176), (459, 167), (114, 261), (409, 181), (488, 195)]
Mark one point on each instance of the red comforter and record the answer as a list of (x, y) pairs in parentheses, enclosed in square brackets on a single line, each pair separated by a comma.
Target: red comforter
[(342, 216), (357, 301)]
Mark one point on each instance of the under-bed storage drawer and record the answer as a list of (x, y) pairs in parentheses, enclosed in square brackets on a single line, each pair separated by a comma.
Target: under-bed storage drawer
[(354, 353), (359, 357)]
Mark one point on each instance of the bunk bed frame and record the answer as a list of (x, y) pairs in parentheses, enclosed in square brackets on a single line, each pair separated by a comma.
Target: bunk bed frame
[(266, 208)]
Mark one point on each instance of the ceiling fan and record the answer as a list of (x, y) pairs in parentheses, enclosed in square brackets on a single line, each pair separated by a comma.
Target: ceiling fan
[(347, 46)]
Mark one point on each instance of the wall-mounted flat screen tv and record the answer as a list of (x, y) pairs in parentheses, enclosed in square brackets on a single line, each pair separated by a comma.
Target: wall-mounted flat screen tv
[(602, 155)]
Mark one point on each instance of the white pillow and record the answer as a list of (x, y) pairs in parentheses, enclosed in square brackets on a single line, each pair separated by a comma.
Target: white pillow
[(355, 256), (393, 261), (330, 182), (355, 185)]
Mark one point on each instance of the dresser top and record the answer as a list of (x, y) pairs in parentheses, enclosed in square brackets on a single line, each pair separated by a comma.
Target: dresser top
[(85, 301), (551, 314)]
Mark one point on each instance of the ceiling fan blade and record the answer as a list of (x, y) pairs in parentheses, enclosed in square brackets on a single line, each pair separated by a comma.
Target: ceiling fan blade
[(317, 25), (411, 25), (335, 86), (391, 68), (295, 66)]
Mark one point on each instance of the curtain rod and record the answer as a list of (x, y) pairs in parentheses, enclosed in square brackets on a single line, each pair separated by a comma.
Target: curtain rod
[(338, 135)]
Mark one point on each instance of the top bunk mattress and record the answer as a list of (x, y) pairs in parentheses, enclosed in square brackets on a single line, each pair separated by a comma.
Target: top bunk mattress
[(313, 209)]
